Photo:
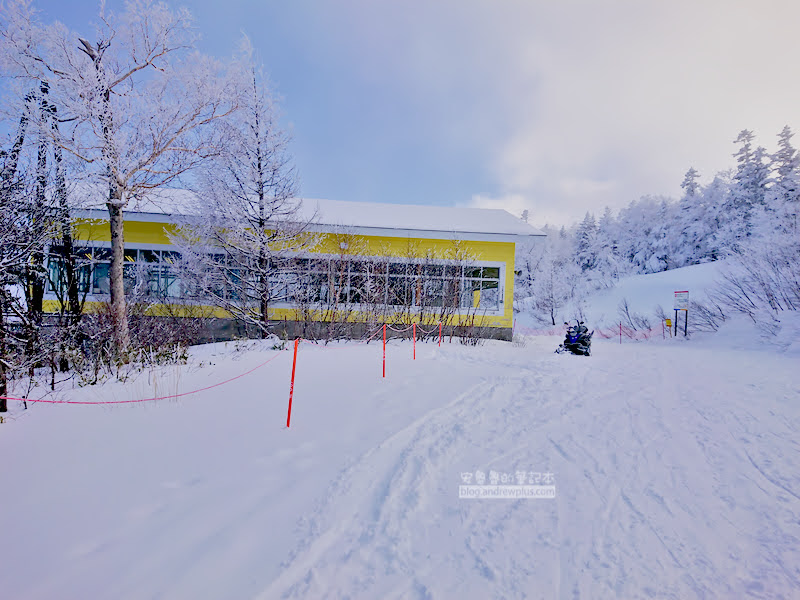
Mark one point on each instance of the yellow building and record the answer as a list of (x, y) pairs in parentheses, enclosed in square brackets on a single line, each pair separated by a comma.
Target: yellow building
[(369, 263)]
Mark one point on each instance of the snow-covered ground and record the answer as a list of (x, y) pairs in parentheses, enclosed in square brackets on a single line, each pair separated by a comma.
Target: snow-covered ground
[(645, 294), (676, 466)]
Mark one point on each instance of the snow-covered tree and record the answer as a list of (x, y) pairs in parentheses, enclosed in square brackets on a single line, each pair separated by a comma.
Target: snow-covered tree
[(747, 192), (697, 220), (136, 104), (664, 239), (249, 220), (25, 229), (690, 186), (608, 266), (585, 249), (783, 197)]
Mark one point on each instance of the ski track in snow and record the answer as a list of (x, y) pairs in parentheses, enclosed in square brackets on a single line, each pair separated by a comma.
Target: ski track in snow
[(668, 486), (677, 474)]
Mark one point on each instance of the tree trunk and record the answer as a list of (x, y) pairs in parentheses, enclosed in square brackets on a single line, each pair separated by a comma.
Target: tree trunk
[(73, 299), (3, 379), (119, 312), (265, 306)]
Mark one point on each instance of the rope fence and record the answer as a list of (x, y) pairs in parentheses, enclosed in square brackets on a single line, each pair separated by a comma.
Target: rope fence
[(380, 330), (618, 331), (171, 396)]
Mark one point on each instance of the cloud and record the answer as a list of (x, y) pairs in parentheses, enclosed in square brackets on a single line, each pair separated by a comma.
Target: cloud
[(569, 106), (630, 94), (555, 106)]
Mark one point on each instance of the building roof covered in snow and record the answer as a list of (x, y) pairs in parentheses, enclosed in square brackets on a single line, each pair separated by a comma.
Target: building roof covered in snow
[(366, 218)]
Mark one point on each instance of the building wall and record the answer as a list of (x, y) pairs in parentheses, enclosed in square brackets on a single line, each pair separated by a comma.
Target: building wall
[(155, 235)]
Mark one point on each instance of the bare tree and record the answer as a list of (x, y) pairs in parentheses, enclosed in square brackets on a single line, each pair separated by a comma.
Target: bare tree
[(135, 104), (25, 229), (248, 220)]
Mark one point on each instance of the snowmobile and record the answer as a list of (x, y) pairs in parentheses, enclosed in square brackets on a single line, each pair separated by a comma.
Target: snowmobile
[(578, 340)]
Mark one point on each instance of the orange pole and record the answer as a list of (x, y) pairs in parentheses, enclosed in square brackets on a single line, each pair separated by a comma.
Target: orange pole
[(384, 349), (414, 334), (440, 334), (291, 386)]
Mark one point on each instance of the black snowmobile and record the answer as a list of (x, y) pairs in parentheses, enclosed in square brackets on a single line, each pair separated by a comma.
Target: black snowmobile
[(578, 340)]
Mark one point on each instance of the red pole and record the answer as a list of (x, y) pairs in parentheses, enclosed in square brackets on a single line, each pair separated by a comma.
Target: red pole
[(384, 349), (414, 334), (291, 386), (440, 334)]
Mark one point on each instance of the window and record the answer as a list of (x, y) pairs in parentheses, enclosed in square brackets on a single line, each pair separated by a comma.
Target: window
[(323, 280)]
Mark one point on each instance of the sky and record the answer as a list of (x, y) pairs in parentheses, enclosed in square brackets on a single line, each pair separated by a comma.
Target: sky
[(557, 107)]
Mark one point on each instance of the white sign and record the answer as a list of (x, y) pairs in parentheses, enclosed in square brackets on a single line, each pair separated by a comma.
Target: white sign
[(681, 300)]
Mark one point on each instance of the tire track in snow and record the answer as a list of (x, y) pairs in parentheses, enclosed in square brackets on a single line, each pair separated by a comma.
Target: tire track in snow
[(644, 505), (359, 529)]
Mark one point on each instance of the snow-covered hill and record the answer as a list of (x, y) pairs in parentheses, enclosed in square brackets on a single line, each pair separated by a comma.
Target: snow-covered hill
[(645, 294), (675, 463)]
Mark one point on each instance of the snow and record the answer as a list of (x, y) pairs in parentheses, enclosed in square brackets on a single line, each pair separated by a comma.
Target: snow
[(645, 293), (676, 466), (339, 213), (417, 217)]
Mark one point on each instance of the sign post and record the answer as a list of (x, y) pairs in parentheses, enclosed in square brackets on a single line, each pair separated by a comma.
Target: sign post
[(682, 303)]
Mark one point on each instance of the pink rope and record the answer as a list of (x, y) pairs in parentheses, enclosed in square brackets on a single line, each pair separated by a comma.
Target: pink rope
[(608, 333), (144, 399), (423, 332)]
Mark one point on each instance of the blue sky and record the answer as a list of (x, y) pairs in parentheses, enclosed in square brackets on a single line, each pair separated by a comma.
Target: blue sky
[(560, 107)]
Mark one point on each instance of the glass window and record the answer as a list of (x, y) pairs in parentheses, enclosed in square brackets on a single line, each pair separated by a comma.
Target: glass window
[(399, 291), (129, 277), (149, 256), (358, 266), (171, 283), (433, 292), (153, 275), (101, 283), (102, 254), (378, 269), (317, 289), (318, 266), (452, 272), (357, 290), (397, 268), (170, 257), (433, 270), (471, 294), (54, 273), (490, 295), (83, 254), (452, 292)]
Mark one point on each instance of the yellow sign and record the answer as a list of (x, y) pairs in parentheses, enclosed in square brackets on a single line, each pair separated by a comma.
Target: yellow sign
[(669, 322)]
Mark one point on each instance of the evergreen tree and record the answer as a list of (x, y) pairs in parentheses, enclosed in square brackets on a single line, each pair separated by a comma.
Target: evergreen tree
[(608, 266), (783, 197), (697, 220), (585, 248), (690, 186), (664, 239), (748, 191)]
